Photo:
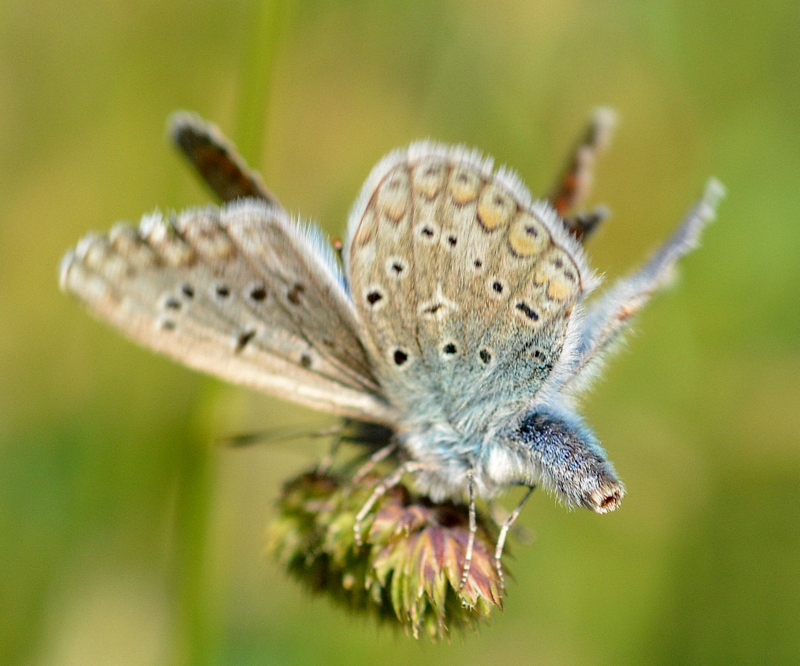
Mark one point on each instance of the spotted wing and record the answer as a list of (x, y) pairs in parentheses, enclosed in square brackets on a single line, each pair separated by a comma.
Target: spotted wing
[(216, 159), (241, 292), (465, 286)]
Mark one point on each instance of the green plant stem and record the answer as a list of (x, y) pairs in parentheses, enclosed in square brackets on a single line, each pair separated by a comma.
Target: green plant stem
[(258, 70), (198, 629)]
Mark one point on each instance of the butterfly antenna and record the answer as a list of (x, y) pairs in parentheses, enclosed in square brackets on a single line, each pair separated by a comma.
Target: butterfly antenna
[(277, 436)]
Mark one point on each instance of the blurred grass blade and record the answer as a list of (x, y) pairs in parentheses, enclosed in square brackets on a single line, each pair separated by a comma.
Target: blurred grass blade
[(257, 75)]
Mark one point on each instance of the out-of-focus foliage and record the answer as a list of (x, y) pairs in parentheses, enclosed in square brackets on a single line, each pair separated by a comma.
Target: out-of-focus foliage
[(130, 537)]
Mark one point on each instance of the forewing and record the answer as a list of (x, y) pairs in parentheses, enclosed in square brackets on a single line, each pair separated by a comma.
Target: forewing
[(216, 160), (465, 286), (241, 292)]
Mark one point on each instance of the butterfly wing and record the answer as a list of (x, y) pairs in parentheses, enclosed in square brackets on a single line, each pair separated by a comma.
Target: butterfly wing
[(216, 160), (242, 293), (465, 286)]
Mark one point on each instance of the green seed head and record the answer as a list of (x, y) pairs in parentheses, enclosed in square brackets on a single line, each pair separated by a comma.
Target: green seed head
[(408, 569)]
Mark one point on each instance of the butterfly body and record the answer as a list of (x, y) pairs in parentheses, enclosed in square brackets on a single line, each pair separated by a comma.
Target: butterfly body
[(470, 294), (448, 456), (459, 319)]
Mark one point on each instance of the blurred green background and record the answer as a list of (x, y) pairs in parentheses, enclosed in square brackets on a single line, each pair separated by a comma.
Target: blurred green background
[(127, 536)]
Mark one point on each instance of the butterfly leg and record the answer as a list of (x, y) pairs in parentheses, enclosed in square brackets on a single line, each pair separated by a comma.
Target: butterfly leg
[(380, 490), (473, 528), (326, 463), (499, 515), (608, 318), (216, 159), (377, 457), (573, 185), (506, 526)]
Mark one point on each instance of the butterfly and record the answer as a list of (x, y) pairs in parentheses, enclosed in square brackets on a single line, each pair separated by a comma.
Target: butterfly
[(459, 317)]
